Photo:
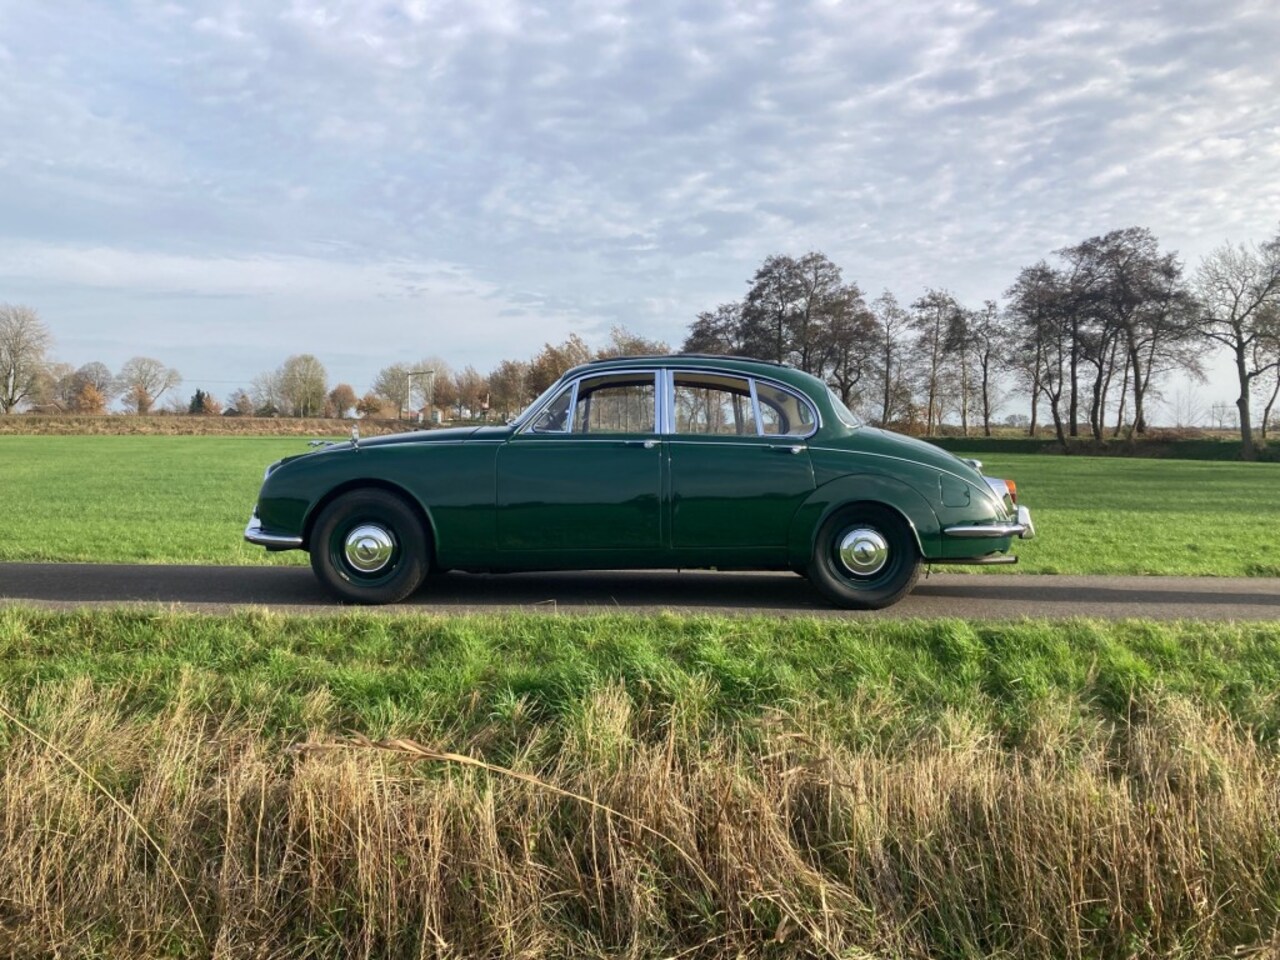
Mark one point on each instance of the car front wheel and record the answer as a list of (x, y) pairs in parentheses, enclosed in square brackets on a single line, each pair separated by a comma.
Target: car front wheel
[(369, 546), (865, 558)]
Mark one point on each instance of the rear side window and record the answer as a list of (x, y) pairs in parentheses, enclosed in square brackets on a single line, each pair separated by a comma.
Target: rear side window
[(713, 405), (782, 413)]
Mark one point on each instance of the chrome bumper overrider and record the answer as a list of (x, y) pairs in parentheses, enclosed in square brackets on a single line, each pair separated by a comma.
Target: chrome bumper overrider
[(1022, 528), (253, 533)]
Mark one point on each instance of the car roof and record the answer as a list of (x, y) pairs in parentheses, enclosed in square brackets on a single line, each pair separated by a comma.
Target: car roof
[(742, 365)]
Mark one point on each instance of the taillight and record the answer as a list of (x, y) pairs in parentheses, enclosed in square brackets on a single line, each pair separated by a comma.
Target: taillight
[(1013, 490)]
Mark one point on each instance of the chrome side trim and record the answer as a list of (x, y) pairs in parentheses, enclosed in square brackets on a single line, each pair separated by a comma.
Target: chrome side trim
[(1023, 529), (253, 533)]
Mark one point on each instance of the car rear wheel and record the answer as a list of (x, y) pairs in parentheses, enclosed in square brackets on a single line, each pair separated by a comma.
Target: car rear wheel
[(369, 546), (865, 558)]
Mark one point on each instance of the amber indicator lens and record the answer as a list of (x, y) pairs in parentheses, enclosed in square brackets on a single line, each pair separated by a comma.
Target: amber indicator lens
[(1013, 490)]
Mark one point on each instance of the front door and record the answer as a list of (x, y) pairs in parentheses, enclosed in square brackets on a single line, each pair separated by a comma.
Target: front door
[(586, 474)]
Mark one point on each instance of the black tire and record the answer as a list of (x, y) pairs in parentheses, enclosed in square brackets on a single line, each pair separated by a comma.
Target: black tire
[(369, 547), (882, 580)]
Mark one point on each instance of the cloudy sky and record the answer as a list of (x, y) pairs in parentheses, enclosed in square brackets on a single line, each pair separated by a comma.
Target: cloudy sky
[(221, 185)]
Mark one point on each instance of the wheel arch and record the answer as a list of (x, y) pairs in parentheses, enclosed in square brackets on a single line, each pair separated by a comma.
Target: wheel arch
[(870, 489), (423, 514)]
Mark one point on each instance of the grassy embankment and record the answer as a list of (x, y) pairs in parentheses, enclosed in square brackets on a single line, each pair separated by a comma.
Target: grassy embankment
[(186, 499), (779, 789)]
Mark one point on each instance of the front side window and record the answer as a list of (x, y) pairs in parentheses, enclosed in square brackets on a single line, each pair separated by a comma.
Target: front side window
[(623, 403), (618, 403), (713, 405)]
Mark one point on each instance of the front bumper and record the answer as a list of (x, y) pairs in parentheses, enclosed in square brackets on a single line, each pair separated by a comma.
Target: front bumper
[(254, 533), (1022, 528)]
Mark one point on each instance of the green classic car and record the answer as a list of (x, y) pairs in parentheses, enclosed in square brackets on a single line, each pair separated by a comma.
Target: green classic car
[(685, 461)]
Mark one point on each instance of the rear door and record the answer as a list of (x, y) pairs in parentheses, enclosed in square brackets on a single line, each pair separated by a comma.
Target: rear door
[(737, 476)]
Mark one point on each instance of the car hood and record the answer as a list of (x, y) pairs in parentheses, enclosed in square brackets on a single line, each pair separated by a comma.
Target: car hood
[(453, 434), (419, 436)]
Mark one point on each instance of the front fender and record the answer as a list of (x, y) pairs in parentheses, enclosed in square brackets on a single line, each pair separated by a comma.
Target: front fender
[(862, 488)]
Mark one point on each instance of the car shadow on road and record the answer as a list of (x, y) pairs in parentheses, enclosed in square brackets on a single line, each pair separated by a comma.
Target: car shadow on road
[(296, 587)]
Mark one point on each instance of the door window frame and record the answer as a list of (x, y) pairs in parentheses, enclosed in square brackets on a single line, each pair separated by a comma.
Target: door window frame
[(659, 403), (669, 389)]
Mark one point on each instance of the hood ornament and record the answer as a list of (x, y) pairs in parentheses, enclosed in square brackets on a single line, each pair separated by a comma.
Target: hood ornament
[(355, 436)]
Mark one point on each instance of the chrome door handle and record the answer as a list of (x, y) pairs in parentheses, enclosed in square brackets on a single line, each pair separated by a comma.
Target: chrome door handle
[(779, 449), (647, 444)]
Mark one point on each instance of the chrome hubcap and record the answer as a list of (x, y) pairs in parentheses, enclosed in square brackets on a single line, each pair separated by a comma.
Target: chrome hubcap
[(368, 548), (863, 551)]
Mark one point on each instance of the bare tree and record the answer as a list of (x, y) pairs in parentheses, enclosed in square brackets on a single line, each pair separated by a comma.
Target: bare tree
[(143, 381), (508, 388), (55, 388), (431, 384), (717, 331), (989, 333), (303, 385), (892, 323), (267, 393), (849, 342), (24, 341), (1269, 401), (771, 308), (1134, 317), (99, 376), (241, 403), (392, 384), (1039, 307), (1239, 292), (471, 392), (933, 315), (801, 312)]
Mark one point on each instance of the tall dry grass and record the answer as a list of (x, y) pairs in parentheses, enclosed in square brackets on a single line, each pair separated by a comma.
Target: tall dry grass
[(1157, 838)]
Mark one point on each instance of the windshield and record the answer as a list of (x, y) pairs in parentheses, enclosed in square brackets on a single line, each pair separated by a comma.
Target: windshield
[(847, 416)]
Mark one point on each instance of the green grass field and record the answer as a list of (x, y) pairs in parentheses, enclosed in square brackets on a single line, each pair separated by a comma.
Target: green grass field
[(159, 499), (708, 788)]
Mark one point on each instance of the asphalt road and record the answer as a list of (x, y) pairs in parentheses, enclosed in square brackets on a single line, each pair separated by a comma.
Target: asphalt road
[(294, 590)]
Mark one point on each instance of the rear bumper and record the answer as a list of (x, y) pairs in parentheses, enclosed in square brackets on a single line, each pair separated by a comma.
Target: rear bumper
[(254, 533), (1022, 528)]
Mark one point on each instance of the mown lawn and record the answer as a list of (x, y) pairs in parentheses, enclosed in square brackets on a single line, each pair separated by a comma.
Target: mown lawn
[(158, 499), (178, 785)]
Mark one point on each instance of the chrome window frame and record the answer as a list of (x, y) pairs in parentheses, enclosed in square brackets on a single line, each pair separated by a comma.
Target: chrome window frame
[(752, 380), (664, 402)]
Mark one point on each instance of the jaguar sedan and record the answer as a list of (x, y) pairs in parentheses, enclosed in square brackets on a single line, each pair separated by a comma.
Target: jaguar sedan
[(682, 461)]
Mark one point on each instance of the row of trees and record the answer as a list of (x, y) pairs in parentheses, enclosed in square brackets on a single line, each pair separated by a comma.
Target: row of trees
[(28, 376), (1088, 336)]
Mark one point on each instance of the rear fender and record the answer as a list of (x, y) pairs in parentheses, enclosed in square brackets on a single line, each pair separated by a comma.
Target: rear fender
[(863, 488)]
